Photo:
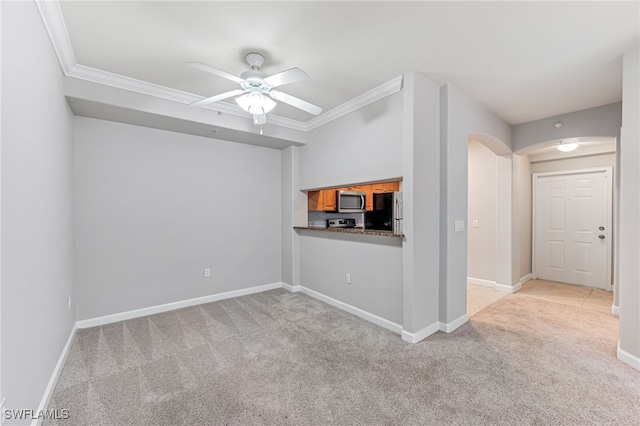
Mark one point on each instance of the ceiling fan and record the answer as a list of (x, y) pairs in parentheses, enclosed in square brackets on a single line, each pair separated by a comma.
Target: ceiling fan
[(256, 95)]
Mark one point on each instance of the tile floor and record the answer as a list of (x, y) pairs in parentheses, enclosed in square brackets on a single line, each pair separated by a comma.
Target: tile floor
[(479, 297)]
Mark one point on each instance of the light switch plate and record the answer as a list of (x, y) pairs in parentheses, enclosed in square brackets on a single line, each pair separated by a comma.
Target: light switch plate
[(459, 225)]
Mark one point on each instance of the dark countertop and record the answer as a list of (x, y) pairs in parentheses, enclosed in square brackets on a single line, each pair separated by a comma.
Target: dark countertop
[(358, 231)]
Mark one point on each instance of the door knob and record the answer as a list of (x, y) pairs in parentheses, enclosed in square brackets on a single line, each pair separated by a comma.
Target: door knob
[(601, 237)]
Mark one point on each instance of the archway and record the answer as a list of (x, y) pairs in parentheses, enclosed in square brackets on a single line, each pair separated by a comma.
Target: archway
[(505, 274)]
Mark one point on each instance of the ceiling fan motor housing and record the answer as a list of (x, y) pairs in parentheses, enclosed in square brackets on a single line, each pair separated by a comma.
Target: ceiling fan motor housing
[(256, 86), (254, 81), (255, 60)]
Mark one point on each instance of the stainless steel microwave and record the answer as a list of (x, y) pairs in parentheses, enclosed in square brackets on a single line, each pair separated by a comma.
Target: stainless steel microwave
[(351, 201)]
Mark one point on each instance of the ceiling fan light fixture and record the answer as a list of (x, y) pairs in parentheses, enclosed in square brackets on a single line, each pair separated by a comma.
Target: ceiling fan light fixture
[(256, 103), (259, 119), (566, 147)]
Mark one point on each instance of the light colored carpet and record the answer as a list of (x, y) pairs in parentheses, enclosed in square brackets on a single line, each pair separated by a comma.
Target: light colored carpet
[(287, 359)]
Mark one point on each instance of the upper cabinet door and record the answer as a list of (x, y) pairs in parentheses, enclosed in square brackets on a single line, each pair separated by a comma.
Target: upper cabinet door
[(329, 199), (369, 190), (391, 186), (377, 187), (315, 201)]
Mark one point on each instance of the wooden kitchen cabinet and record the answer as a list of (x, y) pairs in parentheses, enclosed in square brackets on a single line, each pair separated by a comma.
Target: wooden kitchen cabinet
[(315, 201), (325, 199), (377, 187), (329, 199), (322, 200), (369, 190), (391, 186)]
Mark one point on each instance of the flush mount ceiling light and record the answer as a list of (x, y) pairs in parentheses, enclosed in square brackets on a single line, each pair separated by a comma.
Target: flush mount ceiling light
[(257, 94), (566, 147)]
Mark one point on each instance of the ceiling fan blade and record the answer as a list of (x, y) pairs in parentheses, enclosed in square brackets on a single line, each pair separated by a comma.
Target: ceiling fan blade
[(285, 77), (296, 102), (216, 71), (216, 98)]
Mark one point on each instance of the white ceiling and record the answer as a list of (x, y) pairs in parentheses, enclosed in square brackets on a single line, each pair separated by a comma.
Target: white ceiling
[(523, 60)]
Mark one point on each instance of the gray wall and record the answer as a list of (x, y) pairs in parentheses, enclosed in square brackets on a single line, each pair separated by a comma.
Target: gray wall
[(155, 208), (629, 259), (364, 145), (421, 196), (294, 213), (375, 265), (522, 202), (37, 208), (289, 165), (481, 248), (461, 116), (603, 121)]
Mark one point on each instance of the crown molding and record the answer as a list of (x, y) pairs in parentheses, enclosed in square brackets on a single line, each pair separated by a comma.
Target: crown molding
[(53, 20), (375, 94), (286, 122), (139, 86), (54, 23), (127, 83)]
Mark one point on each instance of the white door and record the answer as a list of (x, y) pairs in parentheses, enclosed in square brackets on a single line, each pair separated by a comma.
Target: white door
[(572, 227)]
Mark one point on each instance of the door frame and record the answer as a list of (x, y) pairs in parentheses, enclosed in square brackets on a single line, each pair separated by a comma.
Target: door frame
[(608, 170)]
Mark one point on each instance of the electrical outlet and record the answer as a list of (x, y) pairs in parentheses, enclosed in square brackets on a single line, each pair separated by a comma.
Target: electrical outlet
[(348, 278), (207, 272)]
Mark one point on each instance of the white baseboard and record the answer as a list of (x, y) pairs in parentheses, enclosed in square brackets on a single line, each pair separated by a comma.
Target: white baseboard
[(526, 278), (48, 392), (421, 334), (384, 323), (480, 281), (615, 310), (506, 288), (291, 288), (628, 359), (448, 327), (391, 326), (108, 319)]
